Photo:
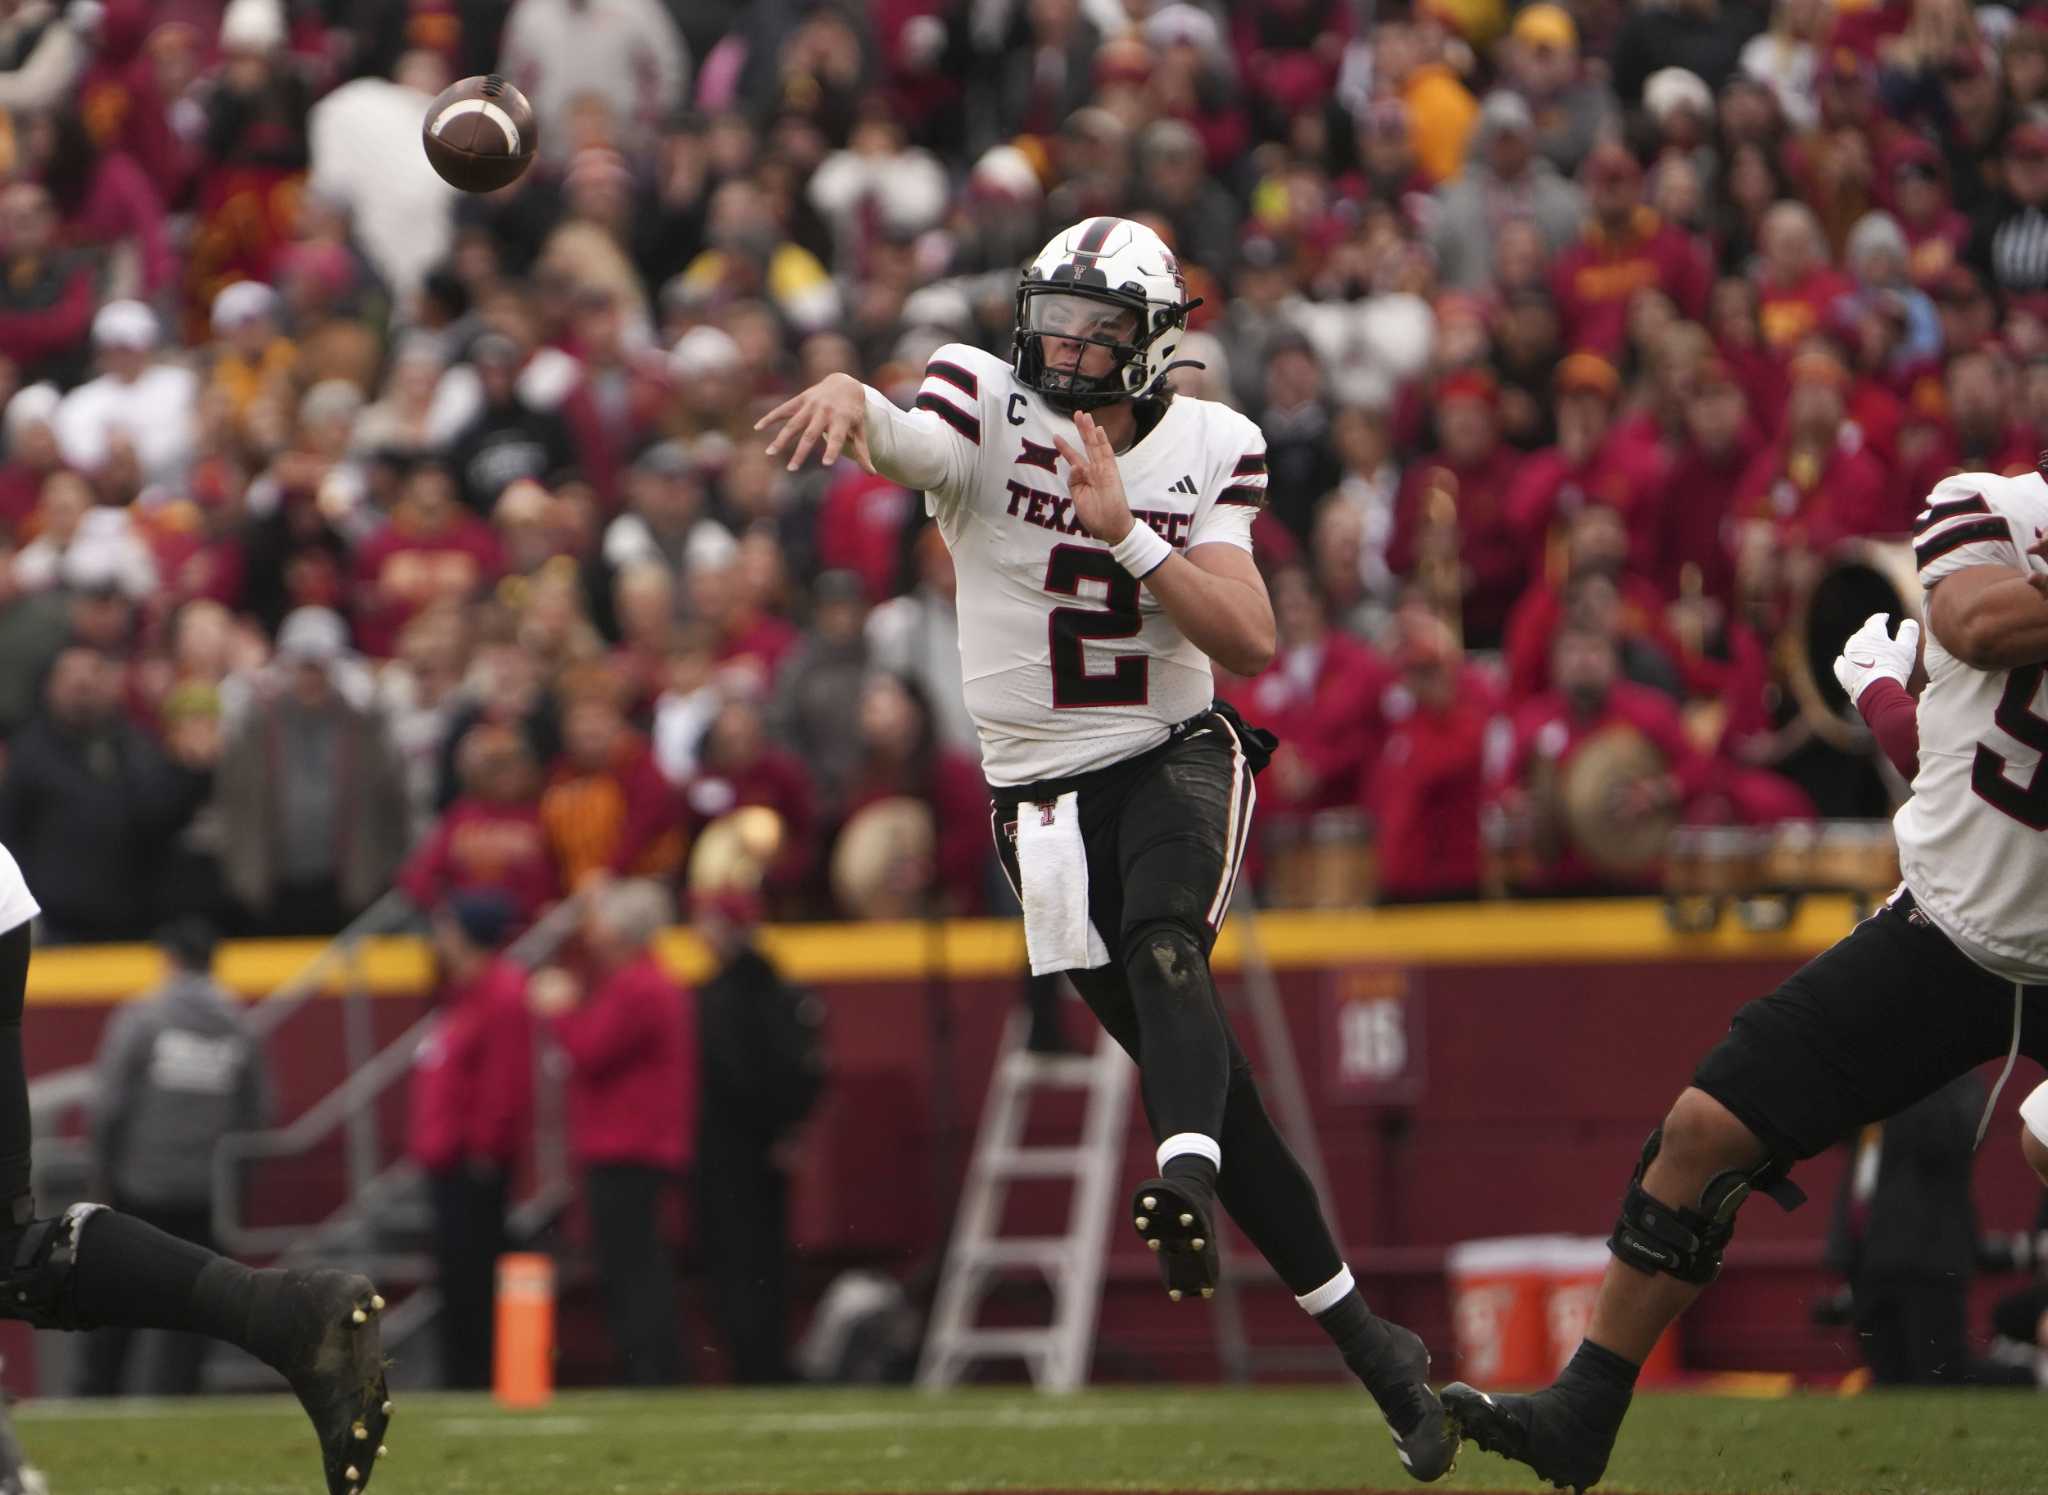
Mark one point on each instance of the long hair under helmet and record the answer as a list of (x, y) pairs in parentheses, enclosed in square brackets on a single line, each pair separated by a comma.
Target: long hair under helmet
[(1105, 282)]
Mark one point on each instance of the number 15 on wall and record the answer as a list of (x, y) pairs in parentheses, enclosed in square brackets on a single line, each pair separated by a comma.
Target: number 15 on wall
[(1373, 1031)]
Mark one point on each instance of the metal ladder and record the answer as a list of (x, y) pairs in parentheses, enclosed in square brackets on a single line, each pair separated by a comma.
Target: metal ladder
[(1058, 1353)]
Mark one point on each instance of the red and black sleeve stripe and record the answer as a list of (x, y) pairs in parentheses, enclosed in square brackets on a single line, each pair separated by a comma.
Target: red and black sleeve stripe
[(1955, 508), (1242, 493), (961, 379), (1927, 552), (1250, 465), (951, 414)]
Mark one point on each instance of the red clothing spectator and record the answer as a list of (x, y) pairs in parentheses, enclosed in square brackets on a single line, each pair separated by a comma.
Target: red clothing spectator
[(1551, 729), (1592, 463), (432, 551), (108, 203), (860, 529), (761, 642), (1533, 625), (960, 806), (1594, 280), (1424, 795), (1818, 499), (46, 310), (1789, 310), (607, 807), (1321, 697), (478, 844), (737, 767), (472, 1078), (1475, 472), (632, 1053)]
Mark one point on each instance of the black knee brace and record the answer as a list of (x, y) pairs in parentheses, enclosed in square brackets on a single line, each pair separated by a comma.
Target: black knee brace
[(41, 1272), (1687, 1243)]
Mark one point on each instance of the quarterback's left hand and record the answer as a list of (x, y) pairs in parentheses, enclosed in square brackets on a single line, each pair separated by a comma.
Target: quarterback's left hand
[(1094, 484), (1873, 654)]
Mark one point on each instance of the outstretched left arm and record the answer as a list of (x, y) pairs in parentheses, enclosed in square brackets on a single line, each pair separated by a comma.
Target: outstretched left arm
[(1214, 593)]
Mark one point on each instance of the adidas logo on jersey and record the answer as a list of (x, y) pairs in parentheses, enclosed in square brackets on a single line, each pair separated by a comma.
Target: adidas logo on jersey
[(1185, 485)]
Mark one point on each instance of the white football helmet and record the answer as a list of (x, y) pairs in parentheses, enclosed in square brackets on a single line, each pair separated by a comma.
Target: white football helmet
[(1105, 282)]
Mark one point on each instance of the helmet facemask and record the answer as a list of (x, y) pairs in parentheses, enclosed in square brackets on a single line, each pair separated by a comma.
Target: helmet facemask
[(1058, 327)]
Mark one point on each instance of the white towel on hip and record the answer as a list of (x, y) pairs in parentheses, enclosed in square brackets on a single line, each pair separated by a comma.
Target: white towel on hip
[(1052, 864)]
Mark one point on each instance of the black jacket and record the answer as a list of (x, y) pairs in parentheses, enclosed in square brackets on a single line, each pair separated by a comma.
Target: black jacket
[(1922, 1221), (88, 814)]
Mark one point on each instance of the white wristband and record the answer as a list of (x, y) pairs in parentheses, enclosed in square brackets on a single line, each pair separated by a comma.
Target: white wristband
[(1142, 551)]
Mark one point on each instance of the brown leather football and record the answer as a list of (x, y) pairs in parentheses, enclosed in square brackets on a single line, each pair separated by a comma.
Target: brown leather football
[(480, 134)]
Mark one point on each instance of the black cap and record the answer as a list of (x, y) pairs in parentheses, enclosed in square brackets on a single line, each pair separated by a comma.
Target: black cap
[(189, 941)]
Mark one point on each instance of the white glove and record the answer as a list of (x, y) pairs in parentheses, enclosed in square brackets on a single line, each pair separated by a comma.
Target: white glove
[(1873, 654)]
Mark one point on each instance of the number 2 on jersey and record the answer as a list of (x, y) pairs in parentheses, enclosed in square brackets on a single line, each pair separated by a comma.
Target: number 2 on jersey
[(2027, 803), (1127, 684)]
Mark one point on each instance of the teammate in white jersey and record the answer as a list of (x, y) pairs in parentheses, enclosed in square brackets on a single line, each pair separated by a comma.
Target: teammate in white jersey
[(1937, 982), (94, 1267), (1101, 530)]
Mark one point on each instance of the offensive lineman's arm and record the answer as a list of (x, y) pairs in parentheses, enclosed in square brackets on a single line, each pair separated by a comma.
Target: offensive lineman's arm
[(1214, 593), (846, 413), (1992, 617)]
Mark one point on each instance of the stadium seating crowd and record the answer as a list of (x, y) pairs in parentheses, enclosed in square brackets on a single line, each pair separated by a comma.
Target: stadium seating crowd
[(356, 531)]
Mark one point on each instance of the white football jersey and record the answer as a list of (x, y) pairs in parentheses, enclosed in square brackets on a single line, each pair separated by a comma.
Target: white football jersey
[(1973, 839), (1069, 663), (17, 904)]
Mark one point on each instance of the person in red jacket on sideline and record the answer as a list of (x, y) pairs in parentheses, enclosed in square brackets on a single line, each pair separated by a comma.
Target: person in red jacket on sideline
[(1981, 430), (1425, 790), (1321, 697), (630, 1037), (471, 1113), (1474, 469), (1625, 247), (492, 837)]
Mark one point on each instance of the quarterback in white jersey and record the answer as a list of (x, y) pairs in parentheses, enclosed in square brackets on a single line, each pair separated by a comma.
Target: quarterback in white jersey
[(1100, 526), (1940, 980)]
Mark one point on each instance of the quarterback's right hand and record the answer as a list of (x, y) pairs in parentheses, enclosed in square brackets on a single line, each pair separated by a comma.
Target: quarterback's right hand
[(1873, 654), (836, 407)]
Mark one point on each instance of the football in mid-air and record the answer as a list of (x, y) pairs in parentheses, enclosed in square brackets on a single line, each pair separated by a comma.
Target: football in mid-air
[(480, 134)]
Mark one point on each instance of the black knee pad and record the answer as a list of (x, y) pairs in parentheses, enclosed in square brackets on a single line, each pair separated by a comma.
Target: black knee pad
[(42, 1271), (1687, 1242)]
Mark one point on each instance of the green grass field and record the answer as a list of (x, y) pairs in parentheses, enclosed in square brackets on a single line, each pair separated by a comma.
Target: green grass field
[(808, 1443)]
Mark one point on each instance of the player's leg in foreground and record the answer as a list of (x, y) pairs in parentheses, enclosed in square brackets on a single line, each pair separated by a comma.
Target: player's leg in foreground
[(1886, 1017), (1176, 856), (92, 1266)]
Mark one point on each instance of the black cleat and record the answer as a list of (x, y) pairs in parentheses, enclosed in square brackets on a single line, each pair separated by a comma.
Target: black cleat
[(1425, 1434), (1544, 1431), (335, 1364), (1177, 1224)]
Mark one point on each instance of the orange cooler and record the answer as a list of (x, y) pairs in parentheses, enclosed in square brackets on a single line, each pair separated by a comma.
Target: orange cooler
[(1499, 1295)]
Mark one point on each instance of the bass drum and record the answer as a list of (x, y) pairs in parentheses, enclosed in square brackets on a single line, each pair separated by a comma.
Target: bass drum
[(1859, 577)]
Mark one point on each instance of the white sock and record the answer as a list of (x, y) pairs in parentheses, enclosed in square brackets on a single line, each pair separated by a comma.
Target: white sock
[(1180, 1144), (1329, 1295)]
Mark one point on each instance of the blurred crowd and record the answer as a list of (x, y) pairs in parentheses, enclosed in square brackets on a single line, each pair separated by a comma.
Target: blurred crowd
[(357, 531)]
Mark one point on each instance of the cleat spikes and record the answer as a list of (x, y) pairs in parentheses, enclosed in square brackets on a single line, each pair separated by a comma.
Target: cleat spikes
[(1173, 1293), (359, 1317), (1152, 1242), (383, 1452), (388, 1409), (1150, 1202), (376, 1302), (360, 1431), (1197, 1243), (350, 1474), (1142, 1221), (1186, 1221), (1208, 1292)]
